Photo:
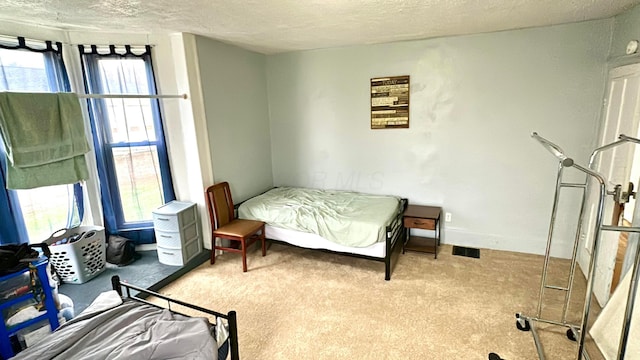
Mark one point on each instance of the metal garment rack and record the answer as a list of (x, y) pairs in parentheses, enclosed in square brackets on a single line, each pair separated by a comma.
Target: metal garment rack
[(525, 323)]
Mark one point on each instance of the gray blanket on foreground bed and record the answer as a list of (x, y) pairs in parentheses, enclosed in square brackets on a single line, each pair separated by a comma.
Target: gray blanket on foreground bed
[(132, 330)]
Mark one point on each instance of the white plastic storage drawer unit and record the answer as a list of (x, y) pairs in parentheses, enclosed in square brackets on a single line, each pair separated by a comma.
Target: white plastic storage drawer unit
[(177, 232)]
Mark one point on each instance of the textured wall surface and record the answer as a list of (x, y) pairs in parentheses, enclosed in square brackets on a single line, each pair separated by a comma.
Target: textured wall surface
[(235, 97), (626, 28), (474, 102)]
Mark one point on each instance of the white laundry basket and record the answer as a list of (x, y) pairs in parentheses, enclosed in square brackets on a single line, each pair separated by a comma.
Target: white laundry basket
[(79, 261)]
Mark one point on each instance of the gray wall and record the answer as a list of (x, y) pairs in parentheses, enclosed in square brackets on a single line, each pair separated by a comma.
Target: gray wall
[(626, 27), (235, 97), (474, 102)]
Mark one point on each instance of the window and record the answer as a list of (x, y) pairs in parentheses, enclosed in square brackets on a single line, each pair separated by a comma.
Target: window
[(36, 213), (128, 136)]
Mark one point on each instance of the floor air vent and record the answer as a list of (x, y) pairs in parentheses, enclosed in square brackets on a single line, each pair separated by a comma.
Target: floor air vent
[(465, 251)]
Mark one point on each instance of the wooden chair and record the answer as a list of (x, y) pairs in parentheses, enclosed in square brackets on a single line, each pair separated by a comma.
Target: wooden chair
[(224, 224)]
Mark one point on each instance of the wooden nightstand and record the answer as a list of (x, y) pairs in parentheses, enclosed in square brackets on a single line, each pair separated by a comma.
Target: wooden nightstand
[(422, 217)]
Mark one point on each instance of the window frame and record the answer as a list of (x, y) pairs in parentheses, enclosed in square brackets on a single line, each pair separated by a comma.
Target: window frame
[(111, 193), (14, 225)]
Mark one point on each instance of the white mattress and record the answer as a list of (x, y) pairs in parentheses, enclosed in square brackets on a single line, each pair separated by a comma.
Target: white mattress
[(313, 241)]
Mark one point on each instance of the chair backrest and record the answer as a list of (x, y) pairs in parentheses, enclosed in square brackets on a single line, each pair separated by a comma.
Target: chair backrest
[(219, 204)]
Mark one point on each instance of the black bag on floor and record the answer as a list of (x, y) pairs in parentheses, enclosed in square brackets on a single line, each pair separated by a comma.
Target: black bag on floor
[(15, 258), (121, 251)]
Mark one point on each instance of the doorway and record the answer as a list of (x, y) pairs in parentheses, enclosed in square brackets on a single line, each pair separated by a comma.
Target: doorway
[(621, 116)]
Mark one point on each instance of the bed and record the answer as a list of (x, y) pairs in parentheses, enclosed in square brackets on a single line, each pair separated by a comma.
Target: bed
[(130, 327), (352, 223)]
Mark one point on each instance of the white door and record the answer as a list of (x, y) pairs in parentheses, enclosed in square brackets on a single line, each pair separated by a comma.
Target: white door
[(621, 116)]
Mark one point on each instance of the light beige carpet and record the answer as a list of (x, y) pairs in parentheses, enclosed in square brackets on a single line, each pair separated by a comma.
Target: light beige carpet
[(307, 304)]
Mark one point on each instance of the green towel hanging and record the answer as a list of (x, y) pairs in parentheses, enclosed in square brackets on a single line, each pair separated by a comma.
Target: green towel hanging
[(44, 137)]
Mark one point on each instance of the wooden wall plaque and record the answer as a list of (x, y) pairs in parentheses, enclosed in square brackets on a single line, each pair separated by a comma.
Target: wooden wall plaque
[(390, 102)]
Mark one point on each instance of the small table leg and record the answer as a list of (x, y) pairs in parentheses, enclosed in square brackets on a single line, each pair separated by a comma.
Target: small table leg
[(437, 242)]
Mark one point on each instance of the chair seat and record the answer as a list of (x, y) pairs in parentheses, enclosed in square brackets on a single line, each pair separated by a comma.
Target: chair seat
[(239, 228)]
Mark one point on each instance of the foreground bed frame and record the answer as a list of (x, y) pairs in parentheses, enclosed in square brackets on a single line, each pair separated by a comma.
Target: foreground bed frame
[(394, 236), (143, 293)]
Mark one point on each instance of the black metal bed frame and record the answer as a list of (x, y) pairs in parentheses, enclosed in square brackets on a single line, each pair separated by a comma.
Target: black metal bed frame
[(394, 236), (117, 285)]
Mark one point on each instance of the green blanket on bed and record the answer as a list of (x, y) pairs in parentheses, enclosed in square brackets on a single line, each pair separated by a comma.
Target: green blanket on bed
[(344, 217)]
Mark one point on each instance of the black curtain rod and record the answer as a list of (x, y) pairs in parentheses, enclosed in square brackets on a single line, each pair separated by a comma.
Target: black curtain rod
[(22, 44), (113, 51)]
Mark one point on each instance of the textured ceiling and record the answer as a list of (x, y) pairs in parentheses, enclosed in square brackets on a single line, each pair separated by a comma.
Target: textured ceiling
[(272, 26)]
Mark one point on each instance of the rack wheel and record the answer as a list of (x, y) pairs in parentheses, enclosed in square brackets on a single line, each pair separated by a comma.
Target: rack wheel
[(570, 335), (523, 324)]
